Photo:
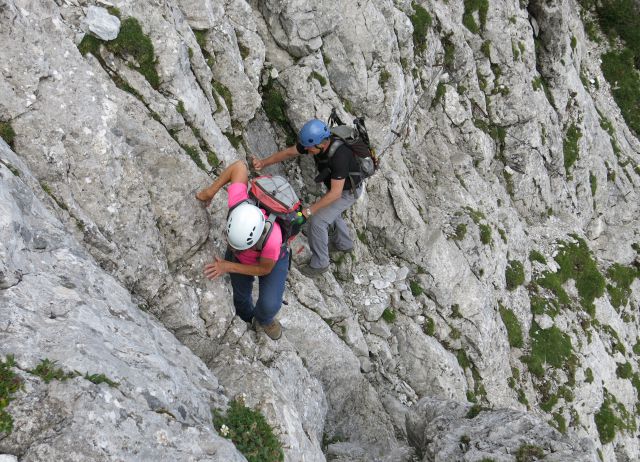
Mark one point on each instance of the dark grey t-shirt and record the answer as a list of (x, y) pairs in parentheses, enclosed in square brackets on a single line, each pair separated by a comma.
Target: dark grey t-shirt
[(337, 168)]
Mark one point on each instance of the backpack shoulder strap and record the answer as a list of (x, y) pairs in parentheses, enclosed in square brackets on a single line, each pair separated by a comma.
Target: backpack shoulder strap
[(266, 232), (336, 142)]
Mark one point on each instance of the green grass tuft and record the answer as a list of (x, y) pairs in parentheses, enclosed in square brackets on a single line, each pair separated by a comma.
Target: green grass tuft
[(416, 289), (622, 277), (570, 147), (223, 91), (421, 20), (575, 263), (529, 453), (514, 331), (320, 78), (485, 234), (534, 255), (48, 371), (514, 274), (548, 346), (132, 41), (468, 18), (250, 433), (611, 418), (7, 133), (274, 106), (429, 326), (389, 315), (10, 384), (461, 232), (100, 378)]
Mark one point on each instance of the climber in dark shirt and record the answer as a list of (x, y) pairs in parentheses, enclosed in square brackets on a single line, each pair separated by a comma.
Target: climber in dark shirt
[(343, 189)]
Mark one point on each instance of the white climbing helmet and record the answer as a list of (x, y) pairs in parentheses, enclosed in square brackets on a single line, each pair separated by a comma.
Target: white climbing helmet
[(244, 226)]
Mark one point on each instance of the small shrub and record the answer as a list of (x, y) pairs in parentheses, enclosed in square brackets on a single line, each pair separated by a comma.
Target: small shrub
[(529, 453), (559, 422), (485, 234), (441, 90), (622, 277), (7, 133), (250, 433), (133, 42), (612, 417), (514, 274), (429, 326), (463, 360), (235, 140), (100, 378), (470, 8), (385, 75), (421, 20), (548, 346), (319, 77), (389, 315), (514, 331), (534, 255), (192, 151), (48, 371), (570, 147), (416, 289), (225, 93), (10, 384), (274, 106), (624, 370), (485, 48), (461, 232)]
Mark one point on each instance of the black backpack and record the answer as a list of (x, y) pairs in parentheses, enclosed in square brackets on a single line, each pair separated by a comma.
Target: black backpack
[(357, 139)]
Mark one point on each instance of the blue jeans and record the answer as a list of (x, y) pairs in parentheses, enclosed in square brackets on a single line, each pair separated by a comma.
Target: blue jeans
[(271, 289)]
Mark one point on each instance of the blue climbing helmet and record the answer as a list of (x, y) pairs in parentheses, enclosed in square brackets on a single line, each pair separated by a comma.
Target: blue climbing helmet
[(313, 133)]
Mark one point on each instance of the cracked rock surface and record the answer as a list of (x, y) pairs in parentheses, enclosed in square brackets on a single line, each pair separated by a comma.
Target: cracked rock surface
[(424, 344)]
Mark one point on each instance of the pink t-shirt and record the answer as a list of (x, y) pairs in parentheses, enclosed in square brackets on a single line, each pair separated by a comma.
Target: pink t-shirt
[(237, 193)]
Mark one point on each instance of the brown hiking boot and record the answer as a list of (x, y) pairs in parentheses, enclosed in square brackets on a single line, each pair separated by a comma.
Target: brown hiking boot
[(273, 330)]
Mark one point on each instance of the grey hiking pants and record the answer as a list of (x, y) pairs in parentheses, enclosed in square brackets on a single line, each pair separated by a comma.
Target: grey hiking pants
[(318, 233)]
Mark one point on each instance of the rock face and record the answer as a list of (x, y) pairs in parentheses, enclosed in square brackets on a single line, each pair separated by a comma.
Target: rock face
[(496, 251)]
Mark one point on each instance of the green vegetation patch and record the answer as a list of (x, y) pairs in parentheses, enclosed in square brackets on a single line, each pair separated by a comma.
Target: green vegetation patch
[(485, 234), (540, 305), (416, 288), (441, 90), (548, 346), (274, 106), (619, 70), (250, 433), (224, 92), (621, 19), (48, 371), (100, 378), (534, 255), (461, 232), (470, 9), (514, 274), (570, 147), (10, 384), (130, 42), (429, 326), (529, 453), (611, 418), (389, 315), (621, 278), (7, 133), (514, 331), (421, 20), (575, 263), (323, 81)]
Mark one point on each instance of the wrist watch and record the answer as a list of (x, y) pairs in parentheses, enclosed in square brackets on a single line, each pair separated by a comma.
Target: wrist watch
[(308, 211)]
